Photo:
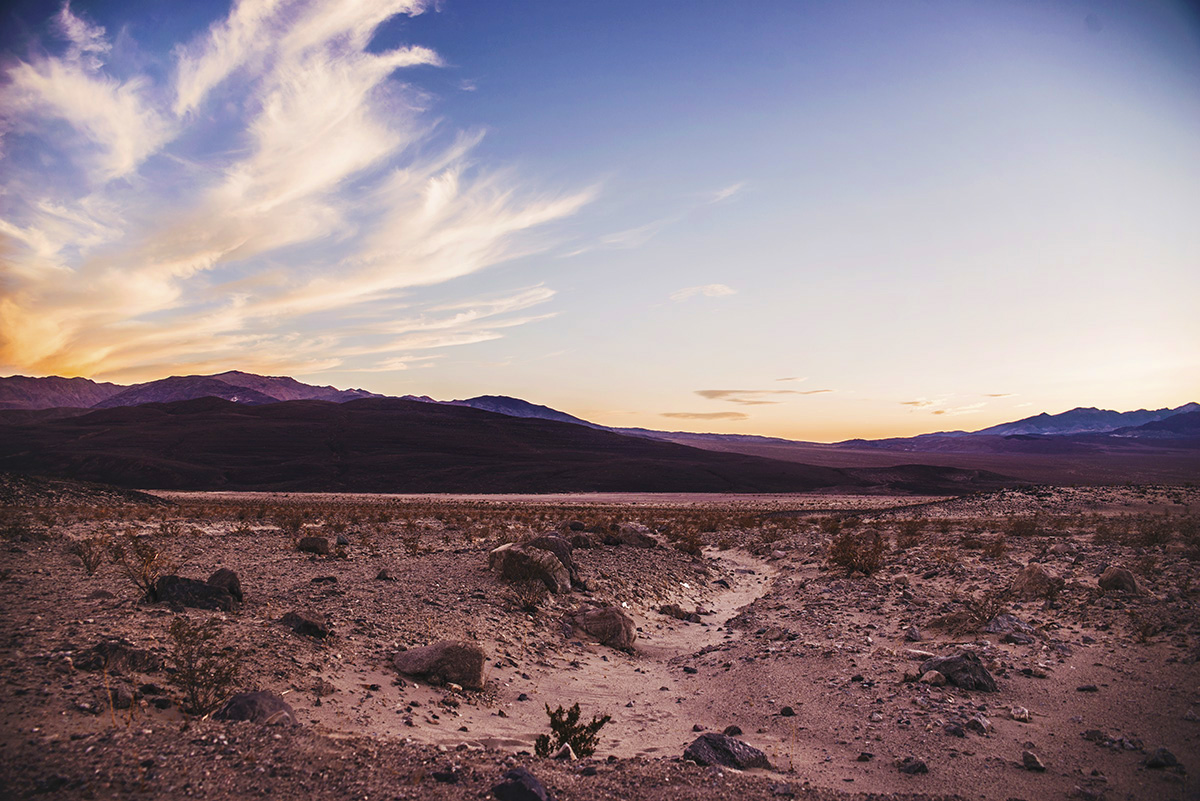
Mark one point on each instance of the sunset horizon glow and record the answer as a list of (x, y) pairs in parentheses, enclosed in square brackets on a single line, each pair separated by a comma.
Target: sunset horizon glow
[(816, 221)]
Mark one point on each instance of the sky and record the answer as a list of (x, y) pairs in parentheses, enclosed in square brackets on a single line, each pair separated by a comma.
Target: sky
[(814, 220)]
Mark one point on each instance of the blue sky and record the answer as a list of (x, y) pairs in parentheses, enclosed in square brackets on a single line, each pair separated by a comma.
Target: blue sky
[(817, 220)]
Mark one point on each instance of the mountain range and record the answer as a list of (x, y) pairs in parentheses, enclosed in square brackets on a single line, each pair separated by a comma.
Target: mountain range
[(1084, 445)]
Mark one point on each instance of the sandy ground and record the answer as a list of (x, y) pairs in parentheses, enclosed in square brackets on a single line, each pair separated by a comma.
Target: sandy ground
[(780, 628)]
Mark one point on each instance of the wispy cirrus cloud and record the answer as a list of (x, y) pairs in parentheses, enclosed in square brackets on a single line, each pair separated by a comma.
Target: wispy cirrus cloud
[(943, 406), (706, 290), (754, 397), (279, 201), (706, 415)]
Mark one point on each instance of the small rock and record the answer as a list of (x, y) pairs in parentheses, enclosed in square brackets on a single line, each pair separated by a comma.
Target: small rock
[(1035, 582), (307, 625), (607, 624), (733, 730), (193, 593), (1019, 713), (343, 540), (913, 634), (912, 766), (385, 574), (865, 756), (933, 678), (1032, 761), (1087, 688), (258, 707), (787, 712), (1161, 758), (565, 753)]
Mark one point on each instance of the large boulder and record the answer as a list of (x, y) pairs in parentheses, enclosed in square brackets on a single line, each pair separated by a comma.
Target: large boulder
[(260, 706), (1118, 579), (722, 750), (1035, 582), (229, 580), (608, 625), (519, 563), (962, 670), (444, 661), (197, 594)]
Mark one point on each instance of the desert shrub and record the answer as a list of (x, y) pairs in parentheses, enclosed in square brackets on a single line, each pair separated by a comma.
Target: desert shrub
[(861, 551), (141, 562), (204, 671), (565, 729), (529, 594), (690, 542), (829, 525), (985, 606), (289, 522), (90, 552), (726, 541), (1154, 531), (1024, 527), (411, 538), (996, 546), (909, 533)]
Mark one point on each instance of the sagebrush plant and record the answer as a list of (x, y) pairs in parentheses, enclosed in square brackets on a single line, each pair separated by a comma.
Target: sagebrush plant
[(860, 551), (141, 562), (565, 729), (90, 551), (204, 670)]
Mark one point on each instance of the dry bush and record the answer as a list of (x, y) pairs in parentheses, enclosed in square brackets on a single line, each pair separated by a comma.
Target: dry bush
[(1019, 527), (141, 562), (1153, 531), (91, 552), (909, 533), (529, 594), (985, 606), (996, 546), (829, 526), (204, 671), (411, 538), (567, 730), (689, 542), (857, 551), (726, 541)]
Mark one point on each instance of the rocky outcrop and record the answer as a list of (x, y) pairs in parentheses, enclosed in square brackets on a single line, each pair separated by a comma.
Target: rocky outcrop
[(519, 563), (444, 661), (317, 545), (1035, 582), (722, 750), (229, 580), (962, 670), (608, 625), (1118, 579)]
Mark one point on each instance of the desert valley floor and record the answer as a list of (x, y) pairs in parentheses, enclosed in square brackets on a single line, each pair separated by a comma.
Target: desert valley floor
[(750, 621)]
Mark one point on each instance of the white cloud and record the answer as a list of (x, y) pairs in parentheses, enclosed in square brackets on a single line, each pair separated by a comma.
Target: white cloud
[(726, 192), (707, 290), (88, 45), (297, 238)]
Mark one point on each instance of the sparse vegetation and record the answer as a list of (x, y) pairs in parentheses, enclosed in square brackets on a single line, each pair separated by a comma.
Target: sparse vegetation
[(204, 671), (860, 551), (565, 729), (90, 551), (141, 562)]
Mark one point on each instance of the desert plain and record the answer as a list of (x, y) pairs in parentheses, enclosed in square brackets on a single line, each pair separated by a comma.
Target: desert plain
[(808, 627)]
